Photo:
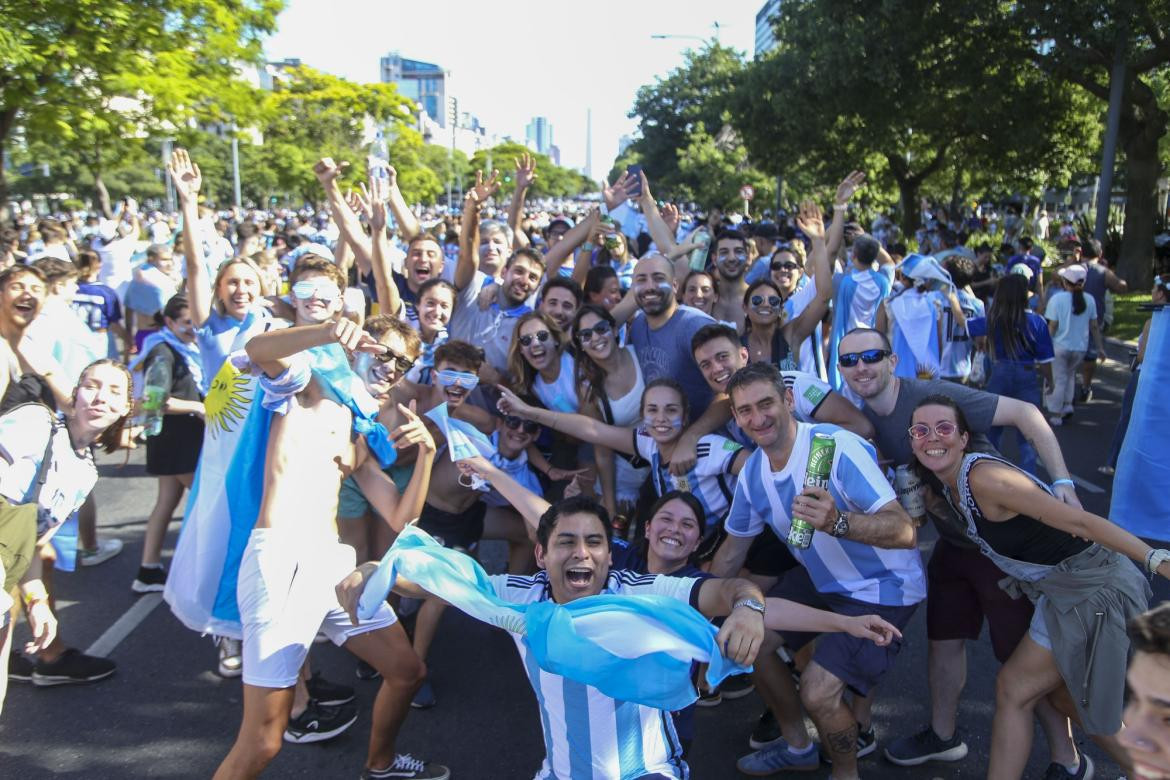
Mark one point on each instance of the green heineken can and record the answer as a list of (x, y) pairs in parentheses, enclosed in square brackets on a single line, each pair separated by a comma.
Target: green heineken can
[(820, 467)]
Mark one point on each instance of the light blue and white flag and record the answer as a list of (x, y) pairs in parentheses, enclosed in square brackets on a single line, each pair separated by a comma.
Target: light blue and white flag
[(632, 648)]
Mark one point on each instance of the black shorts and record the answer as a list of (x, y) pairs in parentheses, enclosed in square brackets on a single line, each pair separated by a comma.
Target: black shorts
[(858, 663), (962, 587), (456, 531)]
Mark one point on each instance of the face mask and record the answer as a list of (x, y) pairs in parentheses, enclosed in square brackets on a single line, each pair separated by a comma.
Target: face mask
[(320, 288)]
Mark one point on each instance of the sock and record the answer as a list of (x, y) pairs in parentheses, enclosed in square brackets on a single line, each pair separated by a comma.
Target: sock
[(802, 751), (152, 566)]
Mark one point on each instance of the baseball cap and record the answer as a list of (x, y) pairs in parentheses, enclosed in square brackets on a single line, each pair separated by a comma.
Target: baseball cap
[(566, 221), (1023, 270), (1074, 274)]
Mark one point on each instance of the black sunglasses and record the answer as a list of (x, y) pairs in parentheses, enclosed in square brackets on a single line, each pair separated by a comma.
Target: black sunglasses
[(869, 357), (402, 364), (530, 426), (585, 335), (541, 336), (784, 265), (773, 300)]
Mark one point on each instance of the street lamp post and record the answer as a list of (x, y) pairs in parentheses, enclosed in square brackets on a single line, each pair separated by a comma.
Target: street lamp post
[(235, 166)]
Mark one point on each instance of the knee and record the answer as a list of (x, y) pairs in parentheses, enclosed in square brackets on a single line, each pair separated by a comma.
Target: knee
[(1010, 690), (268, 746), (820, 692), (409, 671)]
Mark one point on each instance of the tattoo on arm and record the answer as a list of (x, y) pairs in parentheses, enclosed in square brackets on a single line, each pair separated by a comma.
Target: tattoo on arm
[(844, 742)]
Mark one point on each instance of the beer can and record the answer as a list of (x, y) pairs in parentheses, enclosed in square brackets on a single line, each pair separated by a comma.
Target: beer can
[(909, 489), (817, 473)]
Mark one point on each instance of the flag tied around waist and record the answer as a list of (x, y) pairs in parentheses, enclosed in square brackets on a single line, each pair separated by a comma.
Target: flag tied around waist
[(631, 648)]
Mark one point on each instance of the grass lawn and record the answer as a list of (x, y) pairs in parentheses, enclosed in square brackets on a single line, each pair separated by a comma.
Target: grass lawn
[(1128, 319)]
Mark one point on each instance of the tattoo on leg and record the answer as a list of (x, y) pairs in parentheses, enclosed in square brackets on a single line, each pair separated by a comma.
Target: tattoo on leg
[(844, 742)]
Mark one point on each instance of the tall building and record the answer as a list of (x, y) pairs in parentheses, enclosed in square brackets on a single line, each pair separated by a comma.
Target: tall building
[(765, 38), (423, 82), (539, 134)]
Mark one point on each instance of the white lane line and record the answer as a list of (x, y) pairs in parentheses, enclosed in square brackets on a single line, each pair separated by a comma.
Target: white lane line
[(1087, 485), (122, 627)]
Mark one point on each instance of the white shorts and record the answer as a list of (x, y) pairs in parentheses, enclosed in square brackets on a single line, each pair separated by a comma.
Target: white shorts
[(286, 595)]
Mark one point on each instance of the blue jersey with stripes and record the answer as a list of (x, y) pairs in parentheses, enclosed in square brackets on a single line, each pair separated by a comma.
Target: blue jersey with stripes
[(586, 733), (838, 566), (710, 480)]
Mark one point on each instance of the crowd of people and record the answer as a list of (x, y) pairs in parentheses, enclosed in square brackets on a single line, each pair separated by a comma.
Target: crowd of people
[(638, 401)]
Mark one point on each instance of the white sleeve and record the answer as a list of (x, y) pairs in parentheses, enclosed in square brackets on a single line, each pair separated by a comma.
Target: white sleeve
[(24, 431), (280, 390), (633, 584), (519, 589), (719, 453), (645, 445)]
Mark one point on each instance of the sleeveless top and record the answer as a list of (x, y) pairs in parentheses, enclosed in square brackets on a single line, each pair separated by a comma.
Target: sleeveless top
[(626, 410), (781, 353)]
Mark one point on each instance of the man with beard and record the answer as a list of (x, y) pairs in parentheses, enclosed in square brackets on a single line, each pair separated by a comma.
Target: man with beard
[(730, 258)]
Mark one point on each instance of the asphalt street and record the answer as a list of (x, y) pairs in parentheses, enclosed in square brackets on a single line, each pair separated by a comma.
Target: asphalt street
[(166, 713)]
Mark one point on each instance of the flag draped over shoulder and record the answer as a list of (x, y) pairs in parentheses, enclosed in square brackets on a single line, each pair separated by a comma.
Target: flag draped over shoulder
[(631, 648), (1143, 468)]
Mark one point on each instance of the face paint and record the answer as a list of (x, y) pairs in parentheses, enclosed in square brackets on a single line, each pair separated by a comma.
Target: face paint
[(675, 422), (666, 288)]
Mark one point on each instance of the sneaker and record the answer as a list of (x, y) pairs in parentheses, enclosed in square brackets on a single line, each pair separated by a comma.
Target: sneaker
[(366, 672), (766, 732), (1055, 420), (409, 767), (709, 698), (925, 746), (737, 686), (72, 666), (20, 667), (106, 549), (779, 757), (866, 745), (1060, 772), (231, 664), (150, 579), (424, 698), (330, 694), (319, 722)]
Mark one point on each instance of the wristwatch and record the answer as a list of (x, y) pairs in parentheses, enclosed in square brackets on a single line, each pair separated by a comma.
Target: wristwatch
[(841, 527), (1156, 558), (754, 605)]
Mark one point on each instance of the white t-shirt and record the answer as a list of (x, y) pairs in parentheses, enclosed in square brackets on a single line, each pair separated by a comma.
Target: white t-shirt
[(70, 478)]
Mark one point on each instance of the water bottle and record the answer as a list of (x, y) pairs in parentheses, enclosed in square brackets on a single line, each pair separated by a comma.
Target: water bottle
[(154, 396), (379, 159)]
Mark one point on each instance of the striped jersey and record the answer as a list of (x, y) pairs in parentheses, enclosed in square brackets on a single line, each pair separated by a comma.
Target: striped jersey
[(709, 480), (838, 566), (808, 393), (586, 733)]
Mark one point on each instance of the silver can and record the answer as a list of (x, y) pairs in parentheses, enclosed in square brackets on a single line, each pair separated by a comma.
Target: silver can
[(910, 489)]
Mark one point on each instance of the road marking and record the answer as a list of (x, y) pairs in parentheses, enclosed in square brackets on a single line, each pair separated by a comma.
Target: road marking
[(1087, 485), (122, 627)]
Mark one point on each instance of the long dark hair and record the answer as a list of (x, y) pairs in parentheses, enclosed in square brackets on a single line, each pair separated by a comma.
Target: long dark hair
[(747, 296), (588, 375), (643, 544), (938, 399), (1008, 318), (1078, 294), (521, 373)]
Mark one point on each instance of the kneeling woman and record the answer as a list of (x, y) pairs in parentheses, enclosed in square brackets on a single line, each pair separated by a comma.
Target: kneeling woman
[(1069, 562)]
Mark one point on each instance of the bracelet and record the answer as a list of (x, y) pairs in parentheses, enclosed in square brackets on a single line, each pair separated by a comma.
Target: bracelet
[(38, 594), (1154, 559), (1056, 482)]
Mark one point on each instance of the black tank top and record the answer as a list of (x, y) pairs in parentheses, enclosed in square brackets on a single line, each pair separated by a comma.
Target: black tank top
[(781, 354)]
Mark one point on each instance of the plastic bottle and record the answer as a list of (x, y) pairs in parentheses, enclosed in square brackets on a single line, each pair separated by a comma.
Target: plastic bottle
[(379, 159), (154, 396)]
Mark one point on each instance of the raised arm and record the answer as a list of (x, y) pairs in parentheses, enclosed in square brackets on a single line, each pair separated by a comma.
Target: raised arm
[(530, 506), (525, 175), (468, 262), (812, 224), (272, 349), (576, 425), (572, 239), (661, 233), (348, 224), (845, 190), (187, 179), (407, 222), (398, 510), (1030, 422), (373, 202)]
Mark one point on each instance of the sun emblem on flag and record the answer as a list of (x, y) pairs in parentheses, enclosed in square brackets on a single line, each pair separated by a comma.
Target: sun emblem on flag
[(228, 400)]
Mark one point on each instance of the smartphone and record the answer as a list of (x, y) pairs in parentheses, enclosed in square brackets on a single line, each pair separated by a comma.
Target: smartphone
[(634, 172)]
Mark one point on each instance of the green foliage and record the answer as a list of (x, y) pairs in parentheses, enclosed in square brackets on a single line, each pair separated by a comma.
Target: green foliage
[(551, 180), (718, 167)]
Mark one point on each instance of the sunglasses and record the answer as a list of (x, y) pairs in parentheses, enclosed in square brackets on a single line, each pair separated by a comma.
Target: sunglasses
[(869, 357), (322, 289), (462, 379), (782, 265), (529, 426), (541, 336), (773, 300), (942, 428), (401, 363), (585, 335)]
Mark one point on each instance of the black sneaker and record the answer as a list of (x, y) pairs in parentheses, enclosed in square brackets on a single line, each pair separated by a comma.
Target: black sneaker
[(766, 732), (709, 698), (319, 723), (72, 666), (1059, 772), (366, 672), (737, 686), (150, 579), (330, 694), (866, 745), (408, 767), (925, 746), (20, 667)]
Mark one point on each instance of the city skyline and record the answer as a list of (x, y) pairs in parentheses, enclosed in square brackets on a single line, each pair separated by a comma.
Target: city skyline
[(555, 75)]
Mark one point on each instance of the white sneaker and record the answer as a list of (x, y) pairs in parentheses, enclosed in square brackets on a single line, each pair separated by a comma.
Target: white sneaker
[(231, 664), (106, 549), (1055, 420)]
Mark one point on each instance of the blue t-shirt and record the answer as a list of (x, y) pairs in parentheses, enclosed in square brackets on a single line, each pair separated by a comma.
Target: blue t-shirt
[(1029, 260), (1037, 346), (98, 305), (956, 357), (666, 352)]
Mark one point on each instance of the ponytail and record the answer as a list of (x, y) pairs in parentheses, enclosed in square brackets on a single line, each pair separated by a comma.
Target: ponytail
[(1078, 294)]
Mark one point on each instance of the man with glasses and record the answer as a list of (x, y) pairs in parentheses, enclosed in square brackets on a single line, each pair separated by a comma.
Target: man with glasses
[(963, 584)]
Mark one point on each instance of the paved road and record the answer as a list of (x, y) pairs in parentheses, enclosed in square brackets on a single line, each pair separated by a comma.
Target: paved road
[(167, 714)]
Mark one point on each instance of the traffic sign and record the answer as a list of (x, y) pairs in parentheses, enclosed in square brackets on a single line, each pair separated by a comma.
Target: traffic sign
[(747, 192)]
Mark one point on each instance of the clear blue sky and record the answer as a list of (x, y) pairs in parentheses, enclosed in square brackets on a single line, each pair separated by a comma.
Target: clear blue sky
[(511, 60)]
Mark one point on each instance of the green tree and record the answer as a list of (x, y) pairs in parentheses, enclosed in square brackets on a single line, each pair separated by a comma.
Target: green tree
[(1077, 42), (917, 84), (90, 74), (551, 180), (719, 166)]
